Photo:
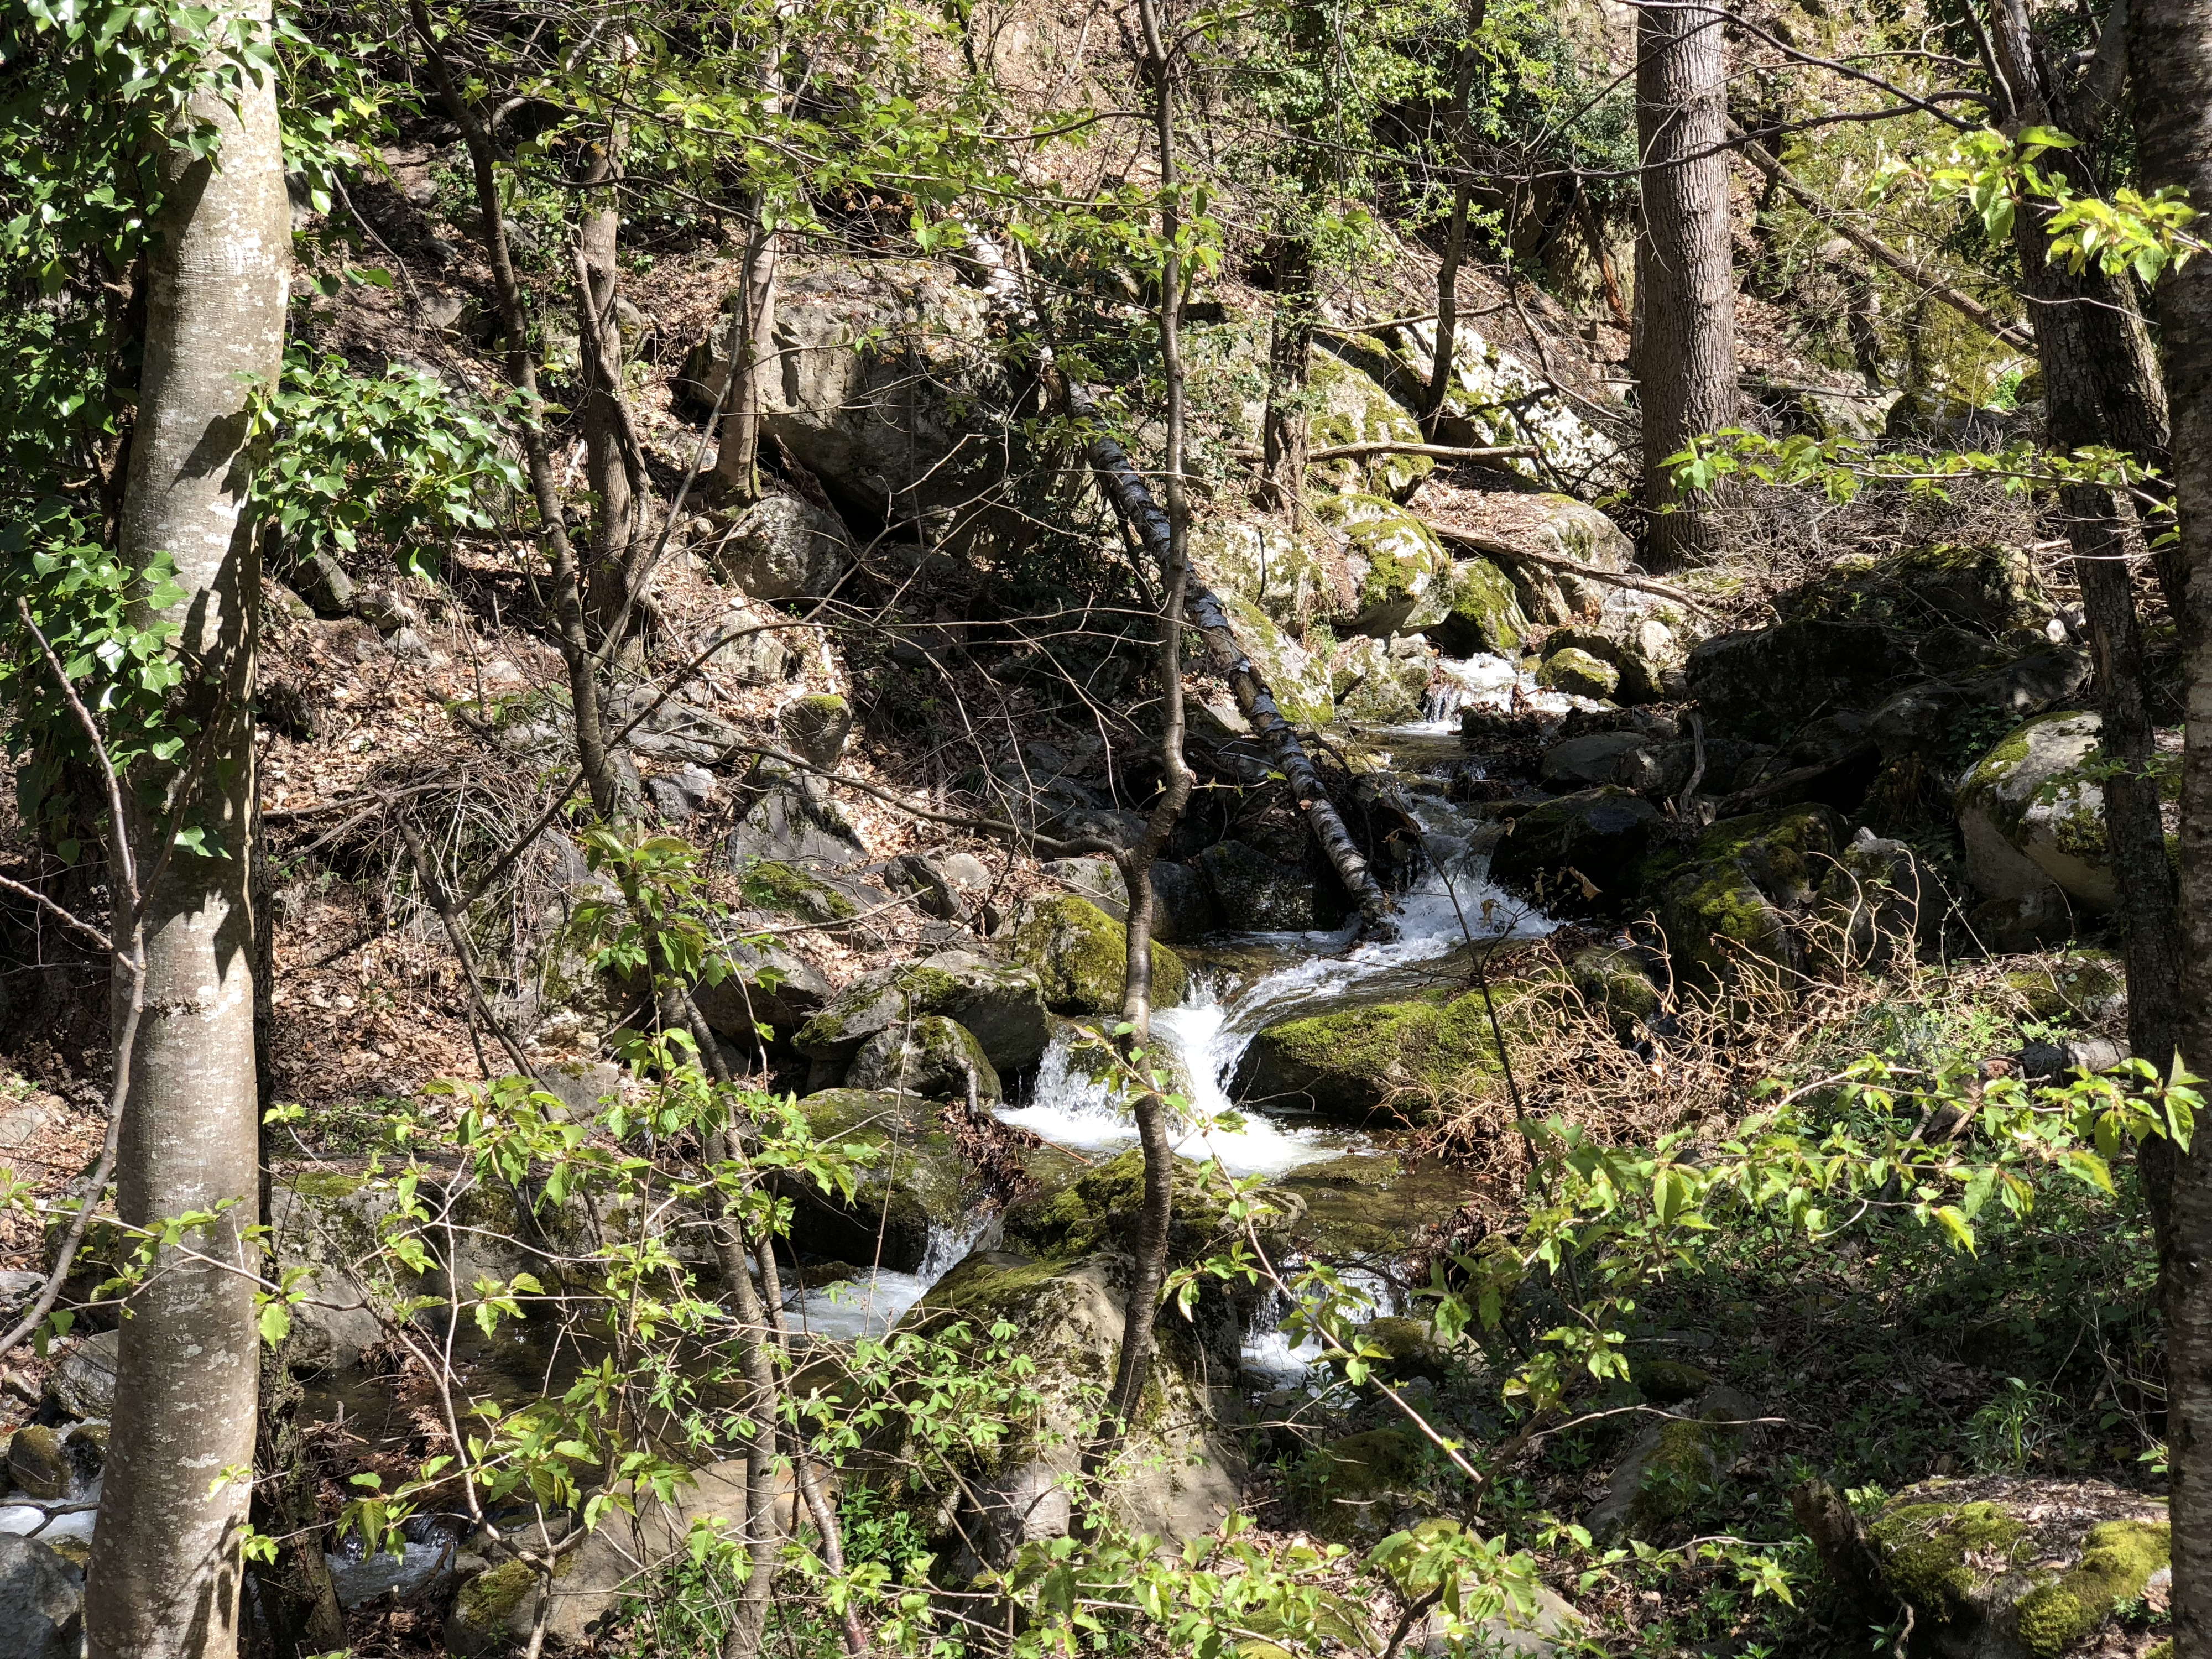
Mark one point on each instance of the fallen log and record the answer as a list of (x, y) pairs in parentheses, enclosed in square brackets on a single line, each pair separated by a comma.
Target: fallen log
[(1142, 516)]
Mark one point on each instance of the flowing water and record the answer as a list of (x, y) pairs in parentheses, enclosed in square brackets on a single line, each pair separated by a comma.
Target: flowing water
[(1275, 977)]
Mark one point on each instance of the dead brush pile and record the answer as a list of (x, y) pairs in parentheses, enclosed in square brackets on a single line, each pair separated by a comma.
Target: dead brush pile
[(1702, 1058)]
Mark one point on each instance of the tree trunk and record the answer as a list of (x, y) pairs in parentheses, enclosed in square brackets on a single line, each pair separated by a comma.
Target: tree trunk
[(2101, 385), (1134, 1364), (1290, 353), (1454, 253), (1685, 278), (164, 1570), (611, 462), (2170, 54), (752, 331)]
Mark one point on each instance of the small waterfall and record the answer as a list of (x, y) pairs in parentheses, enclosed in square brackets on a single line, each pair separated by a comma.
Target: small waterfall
[(1479, 682), (1267, 1351), (870, 1306)]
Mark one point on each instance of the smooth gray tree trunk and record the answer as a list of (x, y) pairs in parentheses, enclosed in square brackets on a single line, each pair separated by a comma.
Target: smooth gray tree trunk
[(1685, 277), (165, 1566), (2170, 55)]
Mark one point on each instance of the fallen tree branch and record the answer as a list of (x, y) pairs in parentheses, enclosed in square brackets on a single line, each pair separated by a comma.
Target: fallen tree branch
[(1505, 550), (1384, 447), (1867, 242), (1142, 517)]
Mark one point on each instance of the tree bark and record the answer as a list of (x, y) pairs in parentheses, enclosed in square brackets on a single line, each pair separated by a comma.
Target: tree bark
[(610, 461), (1284, 436), (165, 1566), (1134, 1364), (1455, 252), (752, 331), (1685, 277), (2169, 56), (2101, 385)]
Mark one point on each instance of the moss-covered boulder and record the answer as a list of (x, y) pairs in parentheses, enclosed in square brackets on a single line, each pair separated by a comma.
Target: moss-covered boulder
[(1101, 1209), (1637, 667), (1299, 681), (2012, 1568), (933, 1057), (1742, 888), (1361, 1489), (1985, 589), (1291, 578), (1393, 559), (1579, 674), (1616, 982), (1767, 683), (1673, 1464), (1079, 955), (1403, 1061), (1577, 855), (2078, 987), (1179, 1469), (1380, 682), (1409, 1347), (37, 1463), (1878, 901), (815, 727), (1001, 1005), (1476, 610), (915, 1182), (1348, 407), (1365, 1206), (2032, 812)]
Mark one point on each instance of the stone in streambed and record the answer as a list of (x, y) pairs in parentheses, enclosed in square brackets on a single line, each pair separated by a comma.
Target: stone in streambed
[(1002, 1004), (1742, 889), (1577, 854), (1405, 1061), (916, 1177), (37, 1463), (41, 1601), (84, 1384), (1578, 673), (1261, 895), (933, 1057), (1080, 954)]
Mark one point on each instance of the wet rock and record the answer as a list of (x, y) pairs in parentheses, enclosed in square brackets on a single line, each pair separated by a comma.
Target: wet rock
[(84, 1384), (1102, 1209), (933, 1057), (1400, 1060), (41, 1601), (37, 1463), (917, 1180), (1183, 903), (1183, 1469), (1742, 889), (1262, 894), (1578, 854), (1003, 1006), (1376, 682), (2033, 813), (679, 797), (1636, 675), (1364, 1206), (1079, 955), (1672, 1462), (1579, 674), (2014, 1568)]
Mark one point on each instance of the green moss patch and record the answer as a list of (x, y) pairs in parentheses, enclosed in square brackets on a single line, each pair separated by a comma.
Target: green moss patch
[(1080, 955)]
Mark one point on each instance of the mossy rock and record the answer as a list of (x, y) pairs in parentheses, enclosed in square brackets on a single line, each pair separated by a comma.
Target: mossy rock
[(1410, 1349), (933, 1057), (915, 1180), (1638, 672), (1741, 887), (1673, 1464), (1002, 1006), (1476, 610), (1376, 685), (1101, 1209), (1298, 680), (787, 890), (1405, 1061), (1079, 956), (1577, 673), (1364, 1206), (1348, 407), (2017, 1568), (1394, 558), (1615, 981), (1669, 1382), (1983, 589), (2082, 987), (1355, 1490), (2031, 810)]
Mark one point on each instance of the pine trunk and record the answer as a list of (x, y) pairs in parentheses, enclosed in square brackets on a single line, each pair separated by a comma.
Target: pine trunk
[(164, 1570)]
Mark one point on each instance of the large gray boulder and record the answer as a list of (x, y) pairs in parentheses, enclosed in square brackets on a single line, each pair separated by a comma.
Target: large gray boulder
[(41, 1601), (790, 819), (931, 1057), (771, 987), (781, 548), (1002, 1006), (84, 1384), (2033, 813)]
